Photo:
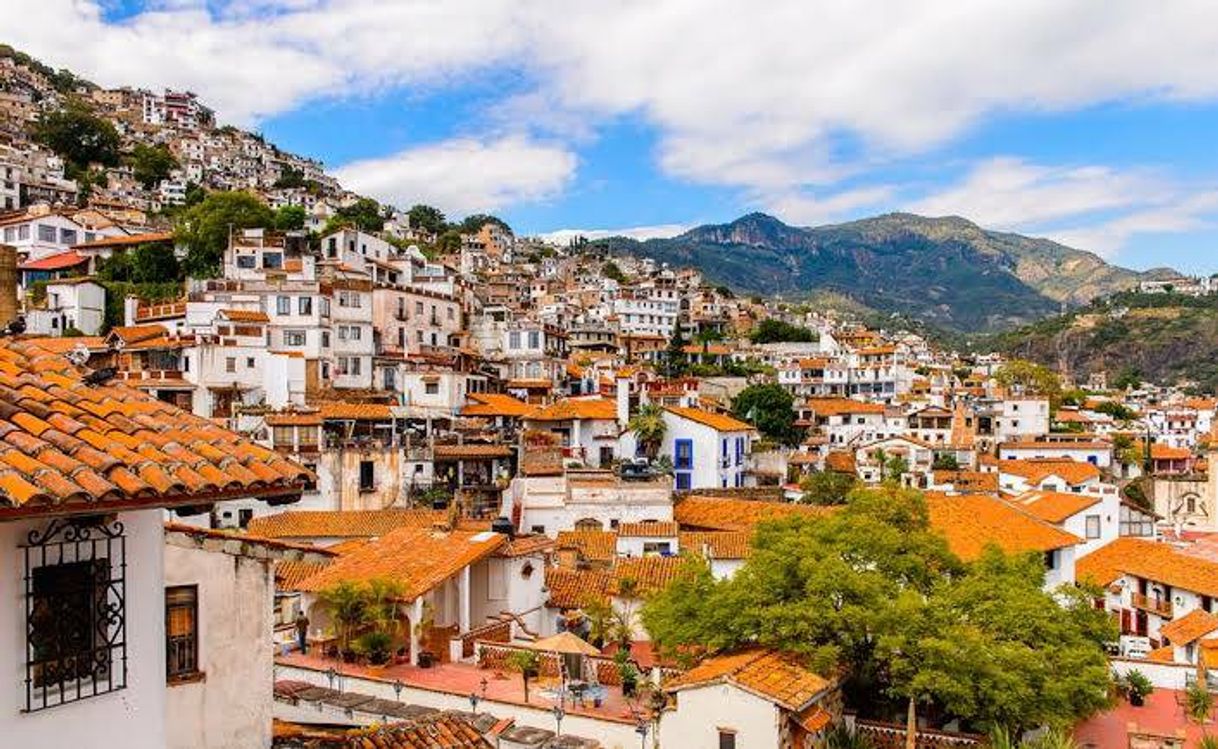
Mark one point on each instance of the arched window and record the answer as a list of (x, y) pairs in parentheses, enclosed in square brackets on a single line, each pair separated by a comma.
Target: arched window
[(588, 524)]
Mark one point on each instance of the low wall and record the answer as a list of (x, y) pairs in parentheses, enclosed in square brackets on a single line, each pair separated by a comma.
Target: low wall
[(1162, 675), (613, 734)]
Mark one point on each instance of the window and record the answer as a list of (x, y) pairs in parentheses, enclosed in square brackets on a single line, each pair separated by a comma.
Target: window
[(46, 233), (355, 365), (246, 261), (293, 338), (684, 481), (272, 260), (67, 236), (249, 362), (281, 436), (325, 339), (388, 379), (514, 339), (683, 456), (366, 476), (75, 612), (1051, 559), (1093, 526), (418, 308), (656, 548), (283, 305), (304, 305), (431, 388), (727, 739), (230, 364), (354, 332), (181, 632), (534, 339)]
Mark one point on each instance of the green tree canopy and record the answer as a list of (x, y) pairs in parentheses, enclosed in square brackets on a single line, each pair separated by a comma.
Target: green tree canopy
[(472, 223), (151, 164), (427, 218), (770, 408), (290, 217), (611, 270), (648, 427), (364, 214), (205, 228), (827, 487), (79, 136), (873, 589), (774, 331), (1031, 378)]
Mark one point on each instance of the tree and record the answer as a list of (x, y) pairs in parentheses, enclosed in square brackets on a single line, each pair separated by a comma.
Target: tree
[(675, 360), (290, 218), (827, 487), (648, 427), (770, 408), (79, 136), (348, 606), (946, 462), (527, 663), (290, 178), (774, 331), (448, 242), (364, 214), (154, 263), (1129, 378), (427, 218), (1031, 378), (151, 164), (993, 648), (873, 590), (474, 222), (611, 270), (205, 228), (1198, 704)]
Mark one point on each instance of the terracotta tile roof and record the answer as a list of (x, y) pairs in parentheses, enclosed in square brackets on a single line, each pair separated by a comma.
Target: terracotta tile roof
[(245, 315), (64, 345), (595, 546), (69, 259), (289, 574), (575, 408), (726, 514), (573, 589), (418, 558), (649, 574), (535, 383), (521, 546), (472, 450), (1054, 507), (1160, 451), (341, 411), (1165, 654), (136, 333), (773, 676), (970, 522), (221, 534), (968, 481), (341, 523), (126, 240), (293, 418), (67, 446), (842, 406), (654, 529), (1036, 470), (1104, 565), (495, 404), (841, 461), (722, 544), (443, 731), (1191, 627), (718, 422)]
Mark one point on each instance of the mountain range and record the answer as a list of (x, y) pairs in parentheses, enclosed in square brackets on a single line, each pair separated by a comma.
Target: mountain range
[(945, 272)]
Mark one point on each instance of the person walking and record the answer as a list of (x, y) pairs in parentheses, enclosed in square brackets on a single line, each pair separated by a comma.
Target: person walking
[(302, 632)]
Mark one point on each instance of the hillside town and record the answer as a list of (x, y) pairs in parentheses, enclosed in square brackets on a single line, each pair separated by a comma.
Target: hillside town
[(286, 467)]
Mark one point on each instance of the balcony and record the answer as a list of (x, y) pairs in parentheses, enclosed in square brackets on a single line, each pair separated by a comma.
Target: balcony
[(1153, 605)]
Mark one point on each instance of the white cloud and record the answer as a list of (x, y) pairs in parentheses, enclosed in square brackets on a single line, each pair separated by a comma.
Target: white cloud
[(657, 231), (740, 95), (1095, 208), (464, 175), (802, 207)]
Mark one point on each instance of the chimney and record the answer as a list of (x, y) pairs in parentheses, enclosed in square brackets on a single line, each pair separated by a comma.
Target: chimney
[(131, 305), (623, 400), (8, 284)]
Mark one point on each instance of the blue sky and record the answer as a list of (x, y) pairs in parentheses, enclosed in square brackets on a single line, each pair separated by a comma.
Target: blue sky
[(1087, 122)]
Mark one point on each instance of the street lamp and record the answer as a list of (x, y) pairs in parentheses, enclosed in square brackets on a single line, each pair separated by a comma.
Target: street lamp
[(473, 702), (641, 730), (398, 686), (333, 675), (559, 713)]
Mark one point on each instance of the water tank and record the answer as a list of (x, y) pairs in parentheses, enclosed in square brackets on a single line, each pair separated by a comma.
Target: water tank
[(503, 525)]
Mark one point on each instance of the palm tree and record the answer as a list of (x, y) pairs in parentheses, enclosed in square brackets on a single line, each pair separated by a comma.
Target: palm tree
[(348, 604), (648, 427)]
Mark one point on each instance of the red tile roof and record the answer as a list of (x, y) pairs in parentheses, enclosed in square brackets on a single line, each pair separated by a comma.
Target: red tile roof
[(727, 514), (576, 408), (341, 524), (773, 676), (495, 404), (718, 422), (68, 447), (971, 522), (124, 240), (69, 259)]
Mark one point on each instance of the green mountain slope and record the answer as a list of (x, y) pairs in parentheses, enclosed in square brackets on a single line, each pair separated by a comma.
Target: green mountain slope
[(947, 272), (1167, 339)]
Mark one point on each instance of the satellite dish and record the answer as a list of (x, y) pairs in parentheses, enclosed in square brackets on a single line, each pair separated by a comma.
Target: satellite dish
[(78, 355)]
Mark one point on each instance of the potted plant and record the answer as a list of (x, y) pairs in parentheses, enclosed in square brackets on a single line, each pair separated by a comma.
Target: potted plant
[(626, 671), (376, 646), (1139, 687), (348, 606), (528, 664)]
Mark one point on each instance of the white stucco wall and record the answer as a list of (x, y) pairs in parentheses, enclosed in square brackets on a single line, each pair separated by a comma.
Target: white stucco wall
[(703, 711), (232, 705), (132, 718)]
